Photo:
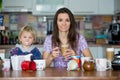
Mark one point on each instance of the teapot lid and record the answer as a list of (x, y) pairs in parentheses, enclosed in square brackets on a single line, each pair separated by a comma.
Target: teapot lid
[(118, 56)]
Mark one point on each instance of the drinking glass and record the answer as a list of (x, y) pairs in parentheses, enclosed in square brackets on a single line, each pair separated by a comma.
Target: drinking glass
[(64, 48), (110, 55)]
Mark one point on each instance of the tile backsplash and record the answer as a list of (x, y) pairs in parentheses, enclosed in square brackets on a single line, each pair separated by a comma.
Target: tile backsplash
[(89, 26)]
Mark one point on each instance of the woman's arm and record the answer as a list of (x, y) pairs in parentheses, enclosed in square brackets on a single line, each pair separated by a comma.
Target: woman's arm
[(86, 52), (49, 57)]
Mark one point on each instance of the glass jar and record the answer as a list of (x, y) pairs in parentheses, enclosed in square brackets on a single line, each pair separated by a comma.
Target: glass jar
[(88, 65)]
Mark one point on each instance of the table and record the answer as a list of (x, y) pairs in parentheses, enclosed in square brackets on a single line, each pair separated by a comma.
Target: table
[(59, 74)]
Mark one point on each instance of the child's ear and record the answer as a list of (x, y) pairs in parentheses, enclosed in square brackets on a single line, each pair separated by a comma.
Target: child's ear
[(34, 41)]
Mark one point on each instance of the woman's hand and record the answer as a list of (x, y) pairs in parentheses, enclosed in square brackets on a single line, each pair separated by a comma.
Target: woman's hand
[(55, 52), (68, 54)]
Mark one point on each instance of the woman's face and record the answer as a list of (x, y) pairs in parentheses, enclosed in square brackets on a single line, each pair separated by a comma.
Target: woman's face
[(63, 22), (26, 38)]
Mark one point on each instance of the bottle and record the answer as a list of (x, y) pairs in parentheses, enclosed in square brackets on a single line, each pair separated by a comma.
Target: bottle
[(4, 37), (0, 37), (7, 36), (11, 38)]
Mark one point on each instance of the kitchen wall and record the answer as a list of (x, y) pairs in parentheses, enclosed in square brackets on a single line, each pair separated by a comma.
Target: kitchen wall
[(90, 26)]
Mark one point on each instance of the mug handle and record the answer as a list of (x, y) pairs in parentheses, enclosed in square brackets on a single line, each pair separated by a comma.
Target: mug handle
[(108, 64)]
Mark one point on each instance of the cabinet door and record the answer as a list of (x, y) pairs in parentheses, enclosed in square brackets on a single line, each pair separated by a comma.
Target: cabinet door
[(98, 52), (94, 51), (17, 5), (101, 52), (83, 7), (46, 7), (117, 6), (106, 7)]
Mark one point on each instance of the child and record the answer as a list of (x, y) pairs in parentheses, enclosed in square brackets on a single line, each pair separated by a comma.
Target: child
[(26, 37)]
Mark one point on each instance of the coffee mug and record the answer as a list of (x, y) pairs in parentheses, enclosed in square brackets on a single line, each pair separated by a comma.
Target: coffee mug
[(40, 64), (102, 64), (6, 64)]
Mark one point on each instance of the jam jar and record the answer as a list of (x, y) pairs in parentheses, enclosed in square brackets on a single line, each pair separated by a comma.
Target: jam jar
[(88, 65)]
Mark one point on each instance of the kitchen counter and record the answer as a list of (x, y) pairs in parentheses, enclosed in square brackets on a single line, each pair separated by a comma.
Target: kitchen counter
[(91, 44), (96, 48), (59, 74)]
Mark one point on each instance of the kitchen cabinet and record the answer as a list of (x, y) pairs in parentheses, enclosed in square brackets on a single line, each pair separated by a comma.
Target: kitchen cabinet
[(17, 5), (117, 6), (91, 7), (94, 51), (83, 7), (78, 7), (46, 7), (106, 7), (101, 52), (98, 52)]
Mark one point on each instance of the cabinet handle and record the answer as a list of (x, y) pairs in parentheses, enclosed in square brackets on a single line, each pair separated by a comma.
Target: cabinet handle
[(85, 12), (13, 7)]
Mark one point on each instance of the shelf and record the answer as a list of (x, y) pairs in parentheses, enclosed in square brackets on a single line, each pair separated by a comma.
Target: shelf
[(11, 46), (6, 46)]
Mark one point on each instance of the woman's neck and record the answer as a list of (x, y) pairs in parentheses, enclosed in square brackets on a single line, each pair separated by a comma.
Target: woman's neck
[(63, 37)]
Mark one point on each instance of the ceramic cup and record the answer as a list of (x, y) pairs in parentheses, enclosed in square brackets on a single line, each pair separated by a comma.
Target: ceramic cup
[(102, 64), (40, 64), (6, 64)]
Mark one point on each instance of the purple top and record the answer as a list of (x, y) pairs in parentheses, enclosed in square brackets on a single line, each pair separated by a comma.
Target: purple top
[(59, 62)]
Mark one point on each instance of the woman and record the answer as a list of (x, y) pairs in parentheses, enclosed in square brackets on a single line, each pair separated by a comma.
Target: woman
[(64, 33)]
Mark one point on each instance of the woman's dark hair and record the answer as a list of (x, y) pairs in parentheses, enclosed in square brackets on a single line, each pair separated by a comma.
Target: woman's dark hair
[(72, 35)]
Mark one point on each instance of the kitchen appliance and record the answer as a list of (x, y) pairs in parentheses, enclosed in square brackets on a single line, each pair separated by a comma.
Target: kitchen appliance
[(116, 61), (114, 33)]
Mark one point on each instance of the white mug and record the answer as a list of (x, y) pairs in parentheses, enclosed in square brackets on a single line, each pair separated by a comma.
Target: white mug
[(6, 64), (102, 64), (40, 64)]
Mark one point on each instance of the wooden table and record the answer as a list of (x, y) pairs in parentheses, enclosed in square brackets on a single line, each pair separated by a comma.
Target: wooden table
[(59, 74)]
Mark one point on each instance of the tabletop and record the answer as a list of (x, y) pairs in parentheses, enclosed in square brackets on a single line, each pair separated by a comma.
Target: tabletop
[(59, 74)]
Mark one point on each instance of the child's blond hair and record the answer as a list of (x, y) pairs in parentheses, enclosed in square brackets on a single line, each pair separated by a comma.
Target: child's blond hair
[(27, 28)]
